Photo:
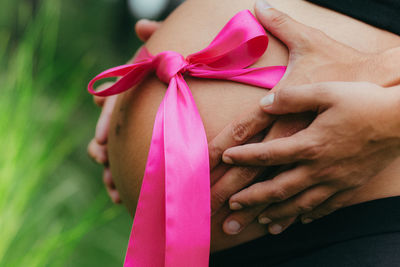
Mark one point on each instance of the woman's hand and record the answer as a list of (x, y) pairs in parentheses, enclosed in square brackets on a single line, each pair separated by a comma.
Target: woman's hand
[(355, 135), (313, 57), (97, 148)]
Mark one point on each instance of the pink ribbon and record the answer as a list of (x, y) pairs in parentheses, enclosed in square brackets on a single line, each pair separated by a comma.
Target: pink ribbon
[(172, 221)]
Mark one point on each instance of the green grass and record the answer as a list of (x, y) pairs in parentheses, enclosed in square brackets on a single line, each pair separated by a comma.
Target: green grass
[(52, 212)]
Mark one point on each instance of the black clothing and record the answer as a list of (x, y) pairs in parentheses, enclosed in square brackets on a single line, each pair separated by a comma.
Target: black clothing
[(367, 234), (384, 14)]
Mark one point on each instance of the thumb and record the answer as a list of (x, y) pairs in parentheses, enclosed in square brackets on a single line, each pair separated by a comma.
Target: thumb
[(315, 97), (279, 24)]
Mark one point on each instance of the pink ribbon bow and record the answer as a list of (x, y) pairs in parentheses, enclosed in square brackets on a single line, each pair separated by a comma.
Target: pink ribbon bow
[(172, 221)]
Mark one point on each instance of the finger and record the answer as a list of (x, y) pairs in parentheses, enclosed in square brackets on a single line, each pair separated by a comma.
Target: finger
[(99, 100), (233, 181), (218, 172), (97, 152), (110, 186), (297, 99), (103, 123), (114, 195), (278, 189), (304, 202), (107, 179), (237, 133), (334, 203), (278, 227), (292, 33), (288, 125), (292, 149), (145, 28), (237, 221)]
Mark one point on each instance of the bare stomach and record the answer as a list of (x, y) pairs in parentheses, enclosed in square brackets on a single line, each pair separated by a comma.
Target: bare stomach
[(189, 29)]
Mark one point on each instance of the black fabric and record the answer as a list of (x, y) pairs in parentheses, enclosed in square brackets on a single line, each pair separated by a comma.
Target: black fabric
[(384, 14), (367, 234)]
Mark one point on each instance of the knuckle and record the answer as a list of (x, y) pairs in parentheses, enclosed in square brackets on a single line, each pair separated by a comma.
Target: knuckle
[(313, 150), (305, 208), (279, 194), (264, 157), (215, 151), (325, 174), (218, 198), (255, 194), (247, 174), (279, 19), (240, 131)]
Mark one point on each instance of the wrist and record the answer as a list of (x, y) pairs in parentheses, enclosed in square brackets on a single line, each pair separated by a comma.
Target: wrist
[(383, 68)]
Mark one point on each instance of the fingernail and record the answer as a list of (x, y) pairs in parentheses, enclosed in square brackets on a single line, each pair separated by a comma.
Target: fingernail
[(227, 159), (306, 220), (267, 100), (262, 4), (233, 227), (264, 220), (236, 206), (275, 229)]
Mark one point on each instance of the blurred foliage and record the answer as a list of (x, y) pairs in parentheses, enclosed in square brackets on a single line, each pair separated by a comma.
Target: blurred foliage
[(54, 210)]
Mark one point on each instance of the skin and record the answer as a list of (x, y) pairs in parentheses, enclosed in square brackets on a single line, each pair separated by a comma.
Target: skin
[(340, 151), (283, 130), (311, 52)]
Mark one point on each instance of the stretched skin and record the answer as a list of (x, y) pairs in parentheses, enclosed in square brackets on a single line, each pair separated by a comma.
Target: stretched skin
[(189, 29)]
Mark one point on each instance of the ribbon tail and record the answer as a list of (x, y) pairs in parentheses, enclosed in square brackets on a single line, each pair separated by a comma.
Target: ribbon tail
[(187, 177), (147, 241), (265, 77)]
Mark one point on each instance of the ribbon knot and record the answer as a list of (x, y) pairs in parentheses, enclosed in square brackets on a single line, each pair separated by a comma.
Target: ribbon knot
[(172, 219), (168, 64)]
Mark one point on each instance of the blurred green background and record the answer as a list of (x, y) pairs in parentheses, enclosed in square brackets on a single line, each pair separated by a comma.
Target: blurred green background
[(54, 210)]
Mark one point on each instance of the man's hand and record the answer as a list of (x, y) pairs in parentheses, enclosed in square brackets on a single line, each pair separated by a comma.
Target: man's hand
[(313, 57), (355, 135), (97, 148)]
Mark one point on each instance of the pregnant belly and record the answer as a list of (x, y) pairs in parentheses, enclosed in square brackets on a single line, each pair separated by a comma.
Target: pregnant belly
[(189, 29)]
